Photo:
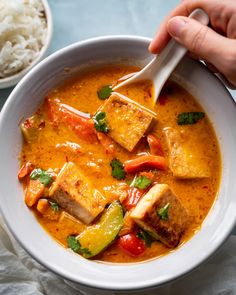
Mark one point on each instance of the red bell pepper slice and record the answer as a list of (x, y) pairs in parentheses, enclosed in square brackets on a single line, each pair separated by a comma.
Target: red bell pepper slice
[(80, 122), (134, 195), (132, 245), (155, 145), (144, 162), (25, 170)]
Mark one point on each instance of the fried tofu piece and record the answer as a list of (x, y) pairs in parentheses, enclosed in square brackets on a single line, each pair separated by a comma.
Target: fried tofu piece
[(162, 215), (127, 120), (75, 193), (186, 160)]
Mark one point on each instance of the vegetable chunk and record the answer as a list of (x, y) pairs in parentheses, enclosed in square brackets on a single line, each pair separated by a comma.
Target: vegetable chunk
[(127, 120), (25, 170), (144, 162), (68, 225), (132, 245), (31, 127), (79, 122), (71, 222), (162, 215), (185, 159), (75, 193), (48, 209), (98, 236), (34, 192)]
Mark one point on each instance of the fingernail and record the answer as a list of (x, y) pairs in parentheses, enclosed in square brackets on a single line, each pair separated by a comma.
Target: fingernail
[(176, 25)]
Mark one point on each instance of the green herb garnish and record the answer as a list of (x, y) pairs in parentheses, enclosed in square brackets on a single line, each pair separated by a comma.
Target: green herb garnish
[(129, 182), (141, 182), (54, 205), (104, 92), (100, 122), (75, 245), (143, 235), (43, 176), (117, 171), (163, 212), (189, 118)]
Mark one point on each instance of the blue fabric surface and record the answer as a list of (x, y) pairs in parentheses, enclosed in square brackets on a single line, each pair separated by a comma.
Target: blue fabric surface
[(81, 19)]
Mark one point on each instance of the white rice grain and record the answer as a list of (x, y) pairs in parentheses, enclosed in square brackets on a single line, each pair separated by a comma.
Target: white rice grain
[(22, 34)]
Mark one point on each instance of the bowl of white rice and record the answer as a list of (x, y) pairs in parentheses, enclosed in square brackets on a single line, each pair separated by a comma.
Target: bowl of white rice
[(25, 35)]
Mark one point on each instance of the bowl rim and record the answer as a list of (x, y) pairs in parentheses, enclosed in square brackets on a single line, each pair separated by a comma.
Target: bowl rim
[(15, 78), (89, 282)]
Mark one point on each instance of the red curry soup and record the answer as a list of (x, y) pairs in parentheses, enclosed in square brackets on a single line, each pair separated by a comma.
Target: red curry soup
[(113, 177)]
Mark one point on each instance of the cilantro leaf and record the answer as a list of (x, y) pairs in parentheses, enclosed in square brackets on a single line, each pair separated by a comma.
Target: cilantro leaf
[(190, 118), (143, 235), (141, 182), (117, 171), (104, 92), (54, 205), (84, 251), (75, 245), (163, 212), (36, 173), (100, 122), (43, 176)]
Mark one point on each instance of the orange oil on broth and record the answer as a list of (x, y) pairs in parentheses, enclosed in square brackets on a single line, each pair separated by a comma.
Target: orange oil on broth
[(81, 93)]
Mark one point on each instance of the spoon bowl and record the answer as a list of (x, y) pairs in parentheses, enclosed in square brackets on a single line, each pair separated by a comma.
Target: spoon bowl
[(161, 66)]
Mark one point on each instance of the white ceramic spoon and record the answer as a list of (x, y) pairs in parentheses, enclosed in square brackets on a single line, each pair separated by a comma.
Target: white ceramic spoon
[(161, 66)]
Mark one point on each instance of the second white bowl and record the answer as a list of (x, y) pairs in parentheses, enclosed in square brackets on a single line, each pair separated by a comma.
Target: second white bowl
[(14, 79)]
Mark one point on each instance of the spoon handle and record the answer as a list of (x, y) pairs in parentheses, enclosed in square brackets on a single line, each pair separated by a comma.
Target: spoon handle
[(161, 67)]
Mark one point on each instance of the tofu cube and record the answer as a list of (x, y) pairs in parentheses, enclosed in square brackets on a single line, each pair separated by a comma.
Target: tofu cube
[(127, 120), (169, 227), (186, 159), (74, 192)]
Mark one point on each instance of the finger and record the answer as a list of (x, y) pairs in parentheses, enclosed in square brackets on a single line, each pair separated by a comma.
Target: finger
[(198, 39), (211, 67), (202, 41), (162, 36), (184, 9), (192, 55)]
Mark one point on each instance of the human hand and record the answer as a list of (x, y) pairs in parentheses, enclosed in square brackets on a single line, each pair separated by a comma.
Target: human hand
[(216, 45)]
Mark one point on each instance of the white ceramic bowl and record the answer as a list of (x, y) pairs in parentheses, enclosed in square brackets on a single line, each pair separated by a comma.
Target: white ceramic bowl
[(25, 99), (14, 79)]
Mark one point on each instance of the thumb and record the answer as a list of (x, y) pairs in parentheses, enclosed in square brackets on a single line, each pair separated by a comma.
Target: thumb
[(198, 39)]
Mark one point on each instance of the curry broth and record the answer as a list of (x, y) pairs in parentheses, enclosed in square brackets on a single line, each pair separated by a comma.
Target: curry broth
[(81, 93)]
